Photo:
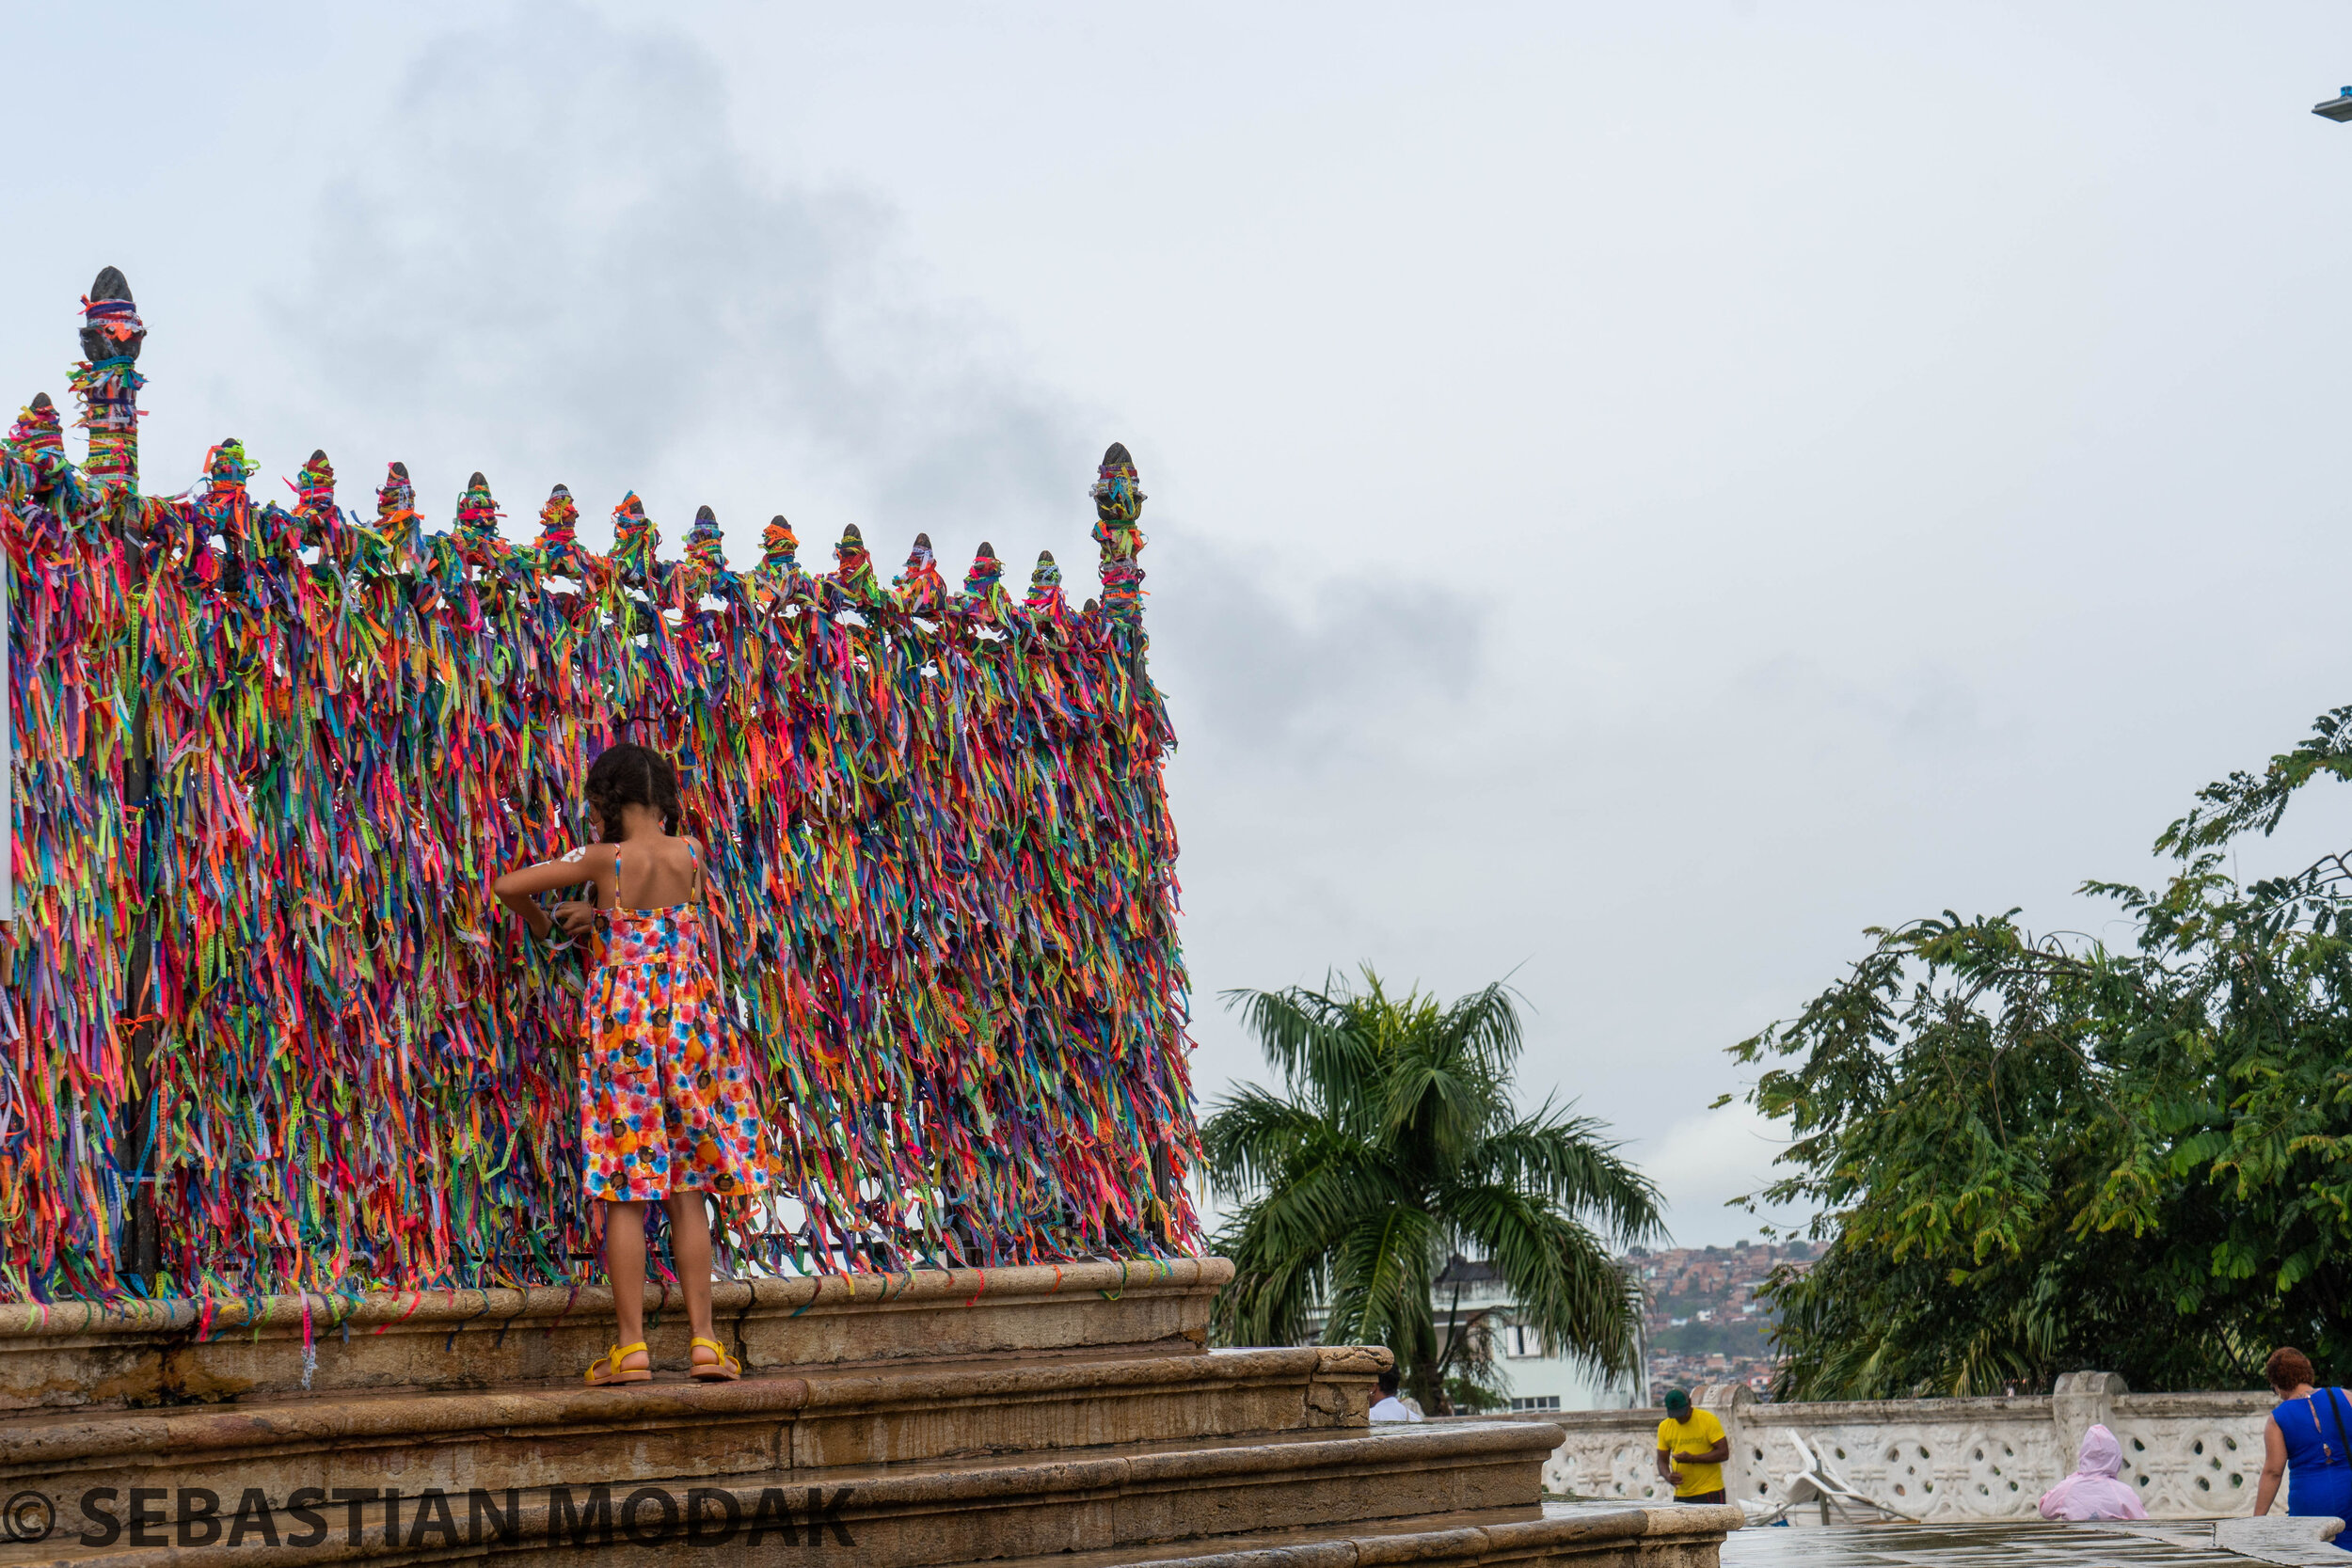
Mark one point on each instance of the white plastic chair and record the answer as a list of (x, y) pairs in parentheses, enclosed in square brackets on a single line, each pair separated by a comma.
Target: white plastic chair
[(1817, 1480)]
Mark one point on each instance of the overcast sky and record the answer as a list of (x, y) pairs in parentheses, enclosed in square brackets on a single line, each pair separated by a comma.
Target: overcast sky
[(1639, 493)]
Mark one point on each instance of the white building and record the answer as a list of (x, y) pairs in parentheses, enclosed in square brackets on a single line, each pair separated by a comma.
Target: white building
[(1473, 1294), (1538, 1382)]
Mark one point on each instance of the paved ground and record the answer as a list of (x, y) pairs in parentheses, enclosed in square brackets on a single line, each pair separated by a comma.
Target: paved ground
[(2022, 1545)]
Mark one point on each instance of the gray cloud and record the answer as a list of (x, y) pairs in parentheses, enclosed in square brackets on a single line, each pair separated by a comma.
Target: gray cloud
[(1310, 679), (551, 260)]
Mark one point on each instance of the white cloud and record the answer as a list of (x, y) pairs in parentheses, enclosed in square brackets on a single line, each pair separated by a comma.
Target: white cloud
[(1702, 1161)]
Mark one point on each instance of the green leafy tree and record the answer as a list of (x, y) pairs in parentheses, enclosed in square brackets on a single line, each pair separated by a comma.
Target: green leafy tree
[(1394, 1145), (2039, 1155)]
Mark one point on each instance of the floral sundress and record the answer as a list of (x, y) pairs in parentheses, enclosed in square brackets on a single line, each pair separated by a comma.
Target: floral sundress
[(666, 1099)]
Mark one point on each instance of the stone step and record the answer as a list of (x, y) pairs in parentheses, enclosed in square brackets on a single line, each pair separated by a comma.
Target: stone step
[(168, 1353), (1661, 1536), (676, 1429), (1131, 1496)]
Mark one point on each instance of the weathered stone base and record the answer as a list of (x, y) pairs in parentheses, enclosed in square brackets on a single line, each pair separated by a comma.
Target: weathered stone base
[(1031, 1415), (144, 1355), (676, 1429)]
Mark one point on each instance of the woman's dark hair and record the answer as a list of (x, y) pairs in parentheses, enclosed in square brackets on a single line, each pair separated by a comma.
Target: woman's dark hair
[(2288, 1367), (631, 775)]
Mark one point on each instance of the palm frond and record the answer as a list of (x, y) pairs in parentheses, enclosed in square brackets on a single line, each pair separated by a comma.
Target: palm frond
[(1562, 1279), (1568, 1160), (1250, 1135), (1448, 1077), (1380, 1280), (1319, 1202), (1311, 1040)]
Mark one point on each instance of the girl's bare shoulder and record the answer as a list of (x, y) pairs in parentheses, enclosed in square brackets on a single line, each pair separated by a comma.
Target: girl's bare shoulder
[(592, 856)]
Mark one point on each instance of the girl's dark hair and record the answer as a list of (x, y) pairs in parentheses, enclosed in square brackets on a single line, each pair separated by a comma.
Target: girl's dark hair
[(2288, 1367), (632, 775)]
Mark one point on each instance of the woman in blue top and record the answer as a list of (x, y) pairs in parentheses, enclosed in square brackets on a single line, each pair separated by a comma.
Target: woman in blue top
[(2306, 1436)]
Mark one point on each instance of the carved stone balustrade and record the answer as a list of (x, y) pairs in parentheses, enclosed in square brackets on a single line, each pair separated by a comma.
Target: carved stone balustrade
[(2192, 1456)]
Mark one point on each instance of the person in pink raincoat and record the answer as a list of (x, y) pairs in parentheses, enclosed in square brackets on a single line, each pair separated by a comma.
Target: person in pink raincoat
[(2093, 1491)]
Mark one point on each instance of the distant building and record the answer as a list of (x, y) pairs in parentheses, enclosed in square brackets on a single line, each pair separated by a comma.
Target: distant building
[(1706, 1320), (1701, 1302), (1535, 1381), (1475, 1293)]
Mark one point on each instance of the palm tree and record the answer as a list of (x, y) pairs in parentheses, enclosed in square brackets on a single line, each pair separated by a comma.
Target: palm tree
[(1395, 1147)]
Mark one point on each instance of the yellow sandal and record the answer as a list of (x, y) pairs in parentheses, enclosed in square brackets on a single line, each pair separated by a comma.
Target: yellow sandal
[(725, 1370), (614, 1372)]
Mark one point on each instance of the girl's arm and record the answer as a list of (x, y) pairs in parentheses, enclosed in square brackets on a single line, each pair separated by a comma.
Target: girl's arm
[(589, 863)]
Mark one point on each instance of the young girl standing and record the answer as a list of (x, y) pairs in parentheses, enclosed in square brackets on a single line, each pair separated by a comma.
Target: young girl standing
[(665, 1102)]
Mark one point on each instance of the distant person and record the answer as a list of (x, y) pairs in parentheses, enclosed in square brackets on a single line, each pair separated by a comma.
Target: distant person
[(1390, 1408), (2094, 1490), (1692, 1448), (2305, 1434)]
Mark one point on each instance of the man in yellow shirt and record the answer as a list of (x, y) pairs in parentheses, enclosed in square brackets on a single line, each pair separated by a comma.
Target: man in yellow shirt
[(1692, 1448)]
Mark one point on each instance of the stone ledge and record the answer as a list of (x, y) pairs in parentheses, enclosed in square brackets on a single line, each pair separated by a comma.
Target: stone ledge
[(1680, 1537), (2281, 1538), (908, 1517), (148, 1353), (544, 1436)]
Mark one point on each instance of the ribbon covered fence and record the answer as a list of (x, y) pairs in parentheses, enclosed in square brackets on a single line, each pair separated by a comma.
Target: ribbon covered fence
[(265, 1029)]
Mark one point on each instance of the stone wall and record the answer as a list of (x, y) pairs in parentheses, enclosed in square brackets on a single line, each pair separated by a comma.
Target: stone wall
[(2191, 1455)]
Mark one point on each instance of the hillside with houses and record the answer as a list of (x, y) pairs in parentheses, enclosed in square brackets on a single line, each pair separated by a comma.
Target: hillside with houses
[(1705, 1322)]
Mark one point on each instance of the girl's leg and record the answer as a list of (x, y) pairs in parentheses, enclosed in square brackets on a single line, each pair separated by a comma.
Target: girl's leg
[(689, 1251), (625, 1266)]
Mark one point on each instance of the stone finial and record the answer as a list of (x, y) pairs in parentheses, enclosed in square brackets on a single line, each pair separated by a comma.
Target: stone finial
[(634, 537), (224, 510), (396, 521), (704, 546), (1119, 497), (853, 568), (107, 381), (111, 327), (778, 546), (920, 587), (1045, 585), (1118, 502), (226, 467), (39, 434), (559, 524), (986, 573), (477, 518), (314, 482), (314, 497), (395, 495)]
